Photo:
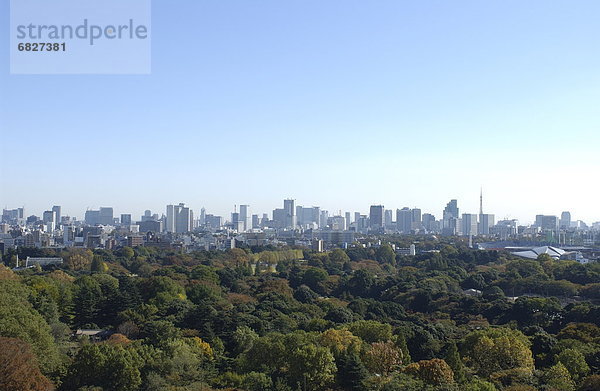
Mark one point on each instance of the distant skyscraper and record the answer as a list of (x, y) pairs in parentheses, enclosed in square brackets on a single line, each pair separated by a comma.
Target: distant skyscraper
[(486, 221), (202, 216), (450, 218), (428, 221), (348, 219), (289, 206), (106, 216), (546, 223), (451, 209), (388, 218), (179, 219), (125, 219), (565, 220), (245, 217), (170, 225), (92, 217), (376, 219), (404, 220), (56, 210), (469, 224), (49, 216), (416, 222)]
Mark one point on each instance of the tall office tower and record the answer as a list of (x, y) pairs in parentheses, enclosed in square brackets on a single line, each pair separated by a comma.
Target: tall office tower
[(56, 210), (356, 217), (451, 209), (416, 221), (565, 220), (469, 224), (348, 219), (92, 217), (376, 217), (255, 222), (486, 221), (147, 215), (450, 220), (547, 223), (179, 219), (49, 216), (323, 217), (245, 217), (170, 224), (184, 218), (404, 220), (388, 218), (125, 219), (236, 223), (337, 223), (428, 220), (289, 206), (106, 216), (202, 216)]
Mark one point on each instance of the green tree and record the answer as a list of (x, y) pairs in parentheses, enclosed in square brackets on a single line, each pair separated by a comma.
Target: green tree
[(312, 366), (498, 349), (575, 363), (371, 331), (453, 359), (558, 378), (352, 373), (111, 367), (19, 320)]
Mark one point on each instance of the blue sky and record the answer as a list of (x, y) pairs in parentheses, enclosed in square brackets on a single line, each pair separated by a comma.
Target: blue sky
[(341, 104)]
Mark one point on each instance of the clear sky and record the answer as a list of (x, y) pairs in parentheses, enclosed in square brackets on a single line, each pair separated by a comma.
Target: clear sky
[(336, 103)]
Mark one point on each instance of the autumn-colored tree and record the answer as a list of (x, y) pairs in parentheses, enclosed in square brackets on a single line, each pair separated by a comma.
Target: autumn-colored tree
[(590, 383), (435, 371), (19, 367), (340, 341), (383, 357), (79, 260)]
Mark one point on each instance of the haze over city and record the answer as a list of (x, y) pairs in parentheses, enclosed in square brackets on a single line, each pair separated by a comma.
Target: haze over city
[(337, 104)]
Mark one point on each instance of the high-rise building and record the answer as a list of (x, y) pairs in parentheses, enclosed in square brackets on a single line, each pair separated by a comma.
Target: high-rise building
[(289, 206), (255, 222), (202, 216), (125, 219), (105, 217), (416, 222), (428, 220), (170, 224), (565, 220), (388, 219), (348, 219), (486, 221), (245, 217), (404, 220), (469, 224), (49, 216), (180, 219), (56, 210), (546, 223), (450, 220), (376, 219)]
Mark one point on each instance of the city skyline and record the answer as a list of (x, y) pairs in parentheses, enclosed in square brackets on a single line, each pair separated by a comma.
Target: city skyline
[(227, 215)]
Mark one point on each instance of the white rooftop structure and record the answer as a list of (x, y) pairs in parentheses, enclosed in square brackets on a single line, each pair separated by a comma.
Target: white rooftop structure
[(554, 252)]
